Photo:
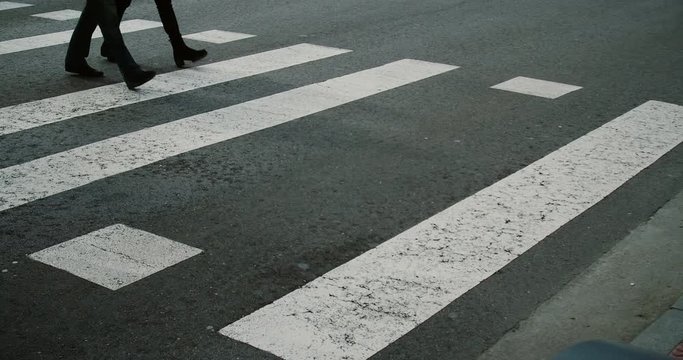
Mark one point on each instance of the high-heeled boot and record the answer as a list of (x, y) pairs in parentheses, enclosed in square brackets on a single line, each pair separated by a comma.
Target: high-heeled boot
[(181, 52)]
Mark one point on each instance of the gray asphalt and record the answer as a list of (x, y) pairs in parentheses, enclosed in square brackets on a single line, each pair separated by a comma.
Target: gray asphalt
[(326, 188)]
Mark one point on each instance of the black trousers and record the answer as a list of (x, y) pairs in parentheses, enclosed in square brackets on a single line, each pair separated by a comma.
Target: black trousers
[(166, 14), (105, 14)]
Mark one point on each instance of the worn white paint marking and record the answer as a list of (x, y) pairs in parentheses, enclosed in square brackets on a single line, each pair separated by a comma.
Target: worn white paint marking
[(67, 170), (60, 15), (535, 87), (7, 5), (63, 37), (360, 307), (41, 112), (115, 256), (217, 36)]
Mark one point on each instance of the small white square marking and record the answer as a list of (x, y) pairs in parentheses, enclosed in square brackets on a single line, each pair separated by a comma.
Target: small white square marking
[(535, 87), (60, 15), (217, 36), (7, 5), (115, 256)]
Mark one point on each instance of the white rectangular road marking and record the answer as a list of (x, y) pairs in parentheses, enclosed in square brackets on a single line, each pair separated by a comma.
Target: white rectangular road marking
[(535, 87), (360, 307), (7, 5), (217, 36), (41, 112), (67, 170), (63, 37), (60, 15), (115, 256)]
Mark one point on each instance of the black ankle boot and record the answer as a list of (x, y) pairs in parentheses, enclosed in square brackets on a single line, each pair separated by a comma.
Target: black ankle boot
[(182, 52), (137, 77), (81, 68)]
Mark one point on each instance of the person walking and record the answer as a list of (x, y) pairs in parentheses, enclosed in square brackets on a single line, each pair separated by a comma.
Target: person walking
[(181, 52), (103, 13)]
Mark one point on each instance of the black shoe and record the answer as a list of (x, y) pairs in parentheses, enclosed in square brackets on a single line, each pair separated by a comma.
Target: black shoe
[(82, 68), (137, 77), (183, 53), (105, 52)]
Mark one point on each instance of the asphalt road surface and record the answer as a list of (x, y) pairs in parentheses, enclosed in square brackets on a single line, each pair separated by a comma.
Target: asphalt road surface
[(383, 179)]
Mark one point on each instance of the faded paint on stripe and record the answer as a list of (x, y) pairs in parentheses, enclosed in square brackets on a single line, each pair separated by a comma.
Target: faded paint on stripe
[(360, 307), (70, 169), (41, 112)]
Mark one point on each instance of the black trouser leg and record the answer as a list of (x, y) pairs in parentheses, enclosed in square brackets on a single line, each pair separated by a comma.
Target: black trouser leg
[(181, 52), (170, 22), (121, 6), (79, 46), (106, 14)]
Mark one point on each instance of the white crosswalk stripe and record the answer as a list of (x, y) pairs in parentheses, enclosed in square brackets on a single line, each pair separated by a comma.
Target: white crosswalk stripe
[(217, 36), (536, 87), (41, 112), (115, 256), (60, 172), (63, 37), (60, 15), (8, 5), (362, 306)]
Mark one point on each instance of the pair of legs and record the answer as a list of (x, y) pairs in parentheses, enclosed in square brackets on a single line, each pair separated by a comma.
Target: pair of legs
[(103, 13), (181, 52)]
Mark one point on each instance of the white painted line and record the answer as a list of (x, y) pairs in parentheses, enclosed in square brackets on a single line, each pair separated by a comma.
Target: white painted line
[(41, 112), (217, 36), (535, 87), (7, 5), (115, 256), (70, 169), (360, 307), (63, 37), (60, 15)]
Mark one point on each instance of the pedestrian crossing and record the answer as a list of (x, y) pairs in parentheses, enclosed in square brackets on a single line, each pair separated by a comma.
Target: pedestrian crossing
[(389, 290), (68, 106), (362, 306), (73, 168)]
